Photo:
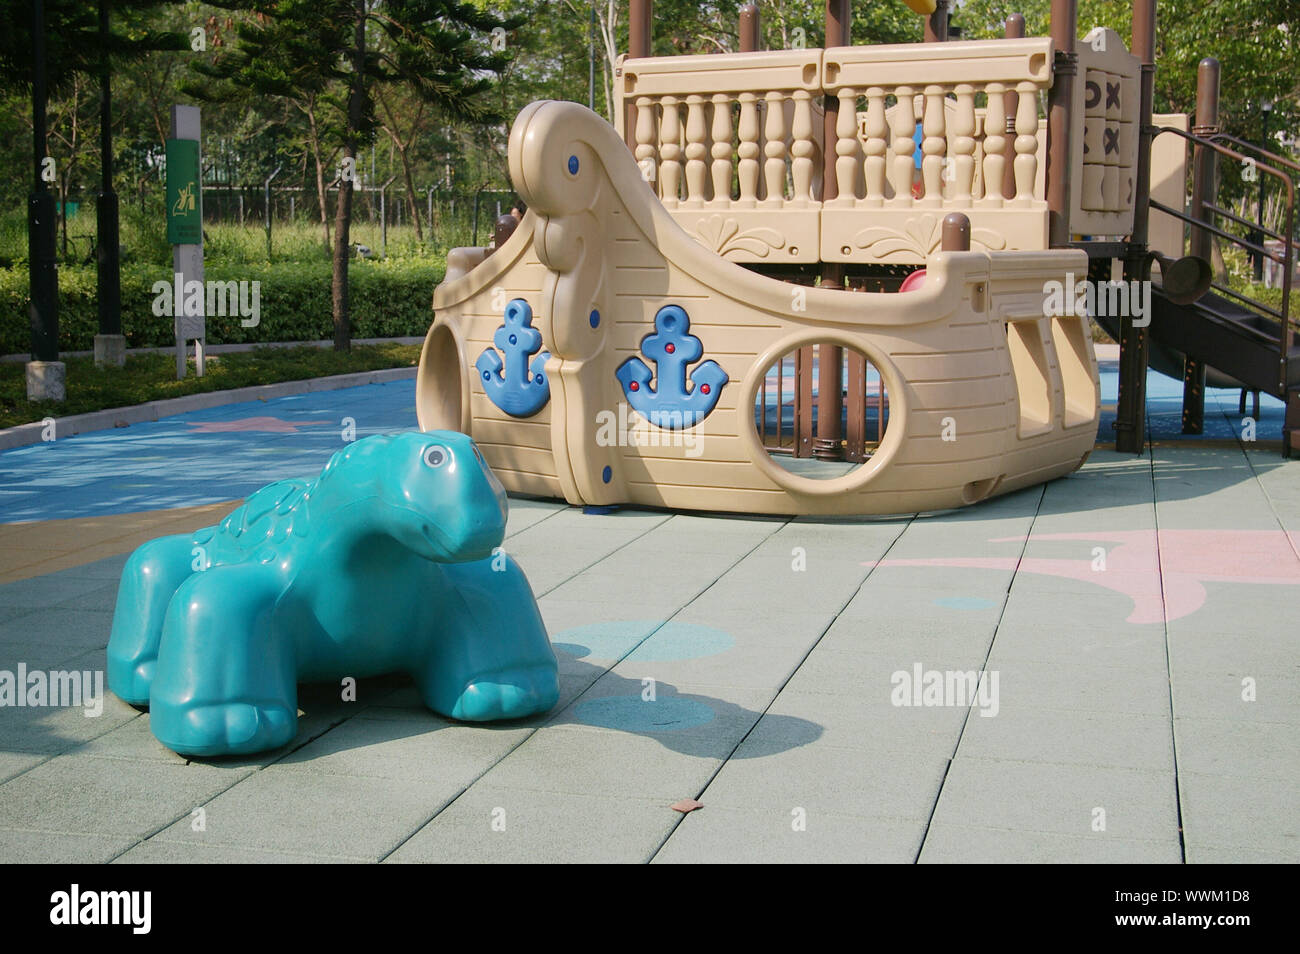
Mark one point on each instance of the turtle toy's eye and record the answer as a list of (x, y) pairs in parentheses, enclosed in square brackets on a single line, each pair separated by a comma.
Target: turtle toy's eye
[(478, 454), (435, 456)]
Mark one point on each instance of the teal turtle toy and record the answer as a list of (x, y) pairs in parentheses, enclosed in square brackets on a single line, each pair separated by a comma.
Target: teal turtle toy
[(387, 562)]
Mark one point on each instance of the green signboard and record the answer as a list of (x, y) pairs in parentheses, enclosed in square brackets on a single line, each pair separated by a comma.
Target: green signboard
[(184, 202)]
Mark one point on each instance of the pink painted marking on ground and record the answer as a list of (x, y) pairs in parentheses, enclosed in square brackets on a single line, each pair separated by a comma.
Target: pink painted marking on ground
[(1163, 575), (271, 425)]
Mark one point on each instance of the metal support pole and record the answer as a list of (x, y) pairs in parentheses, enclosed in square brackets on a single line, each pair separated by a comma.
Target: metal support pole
[(110, 346), (936, 24), (830, 358), (1204, 188), (750, 28), (1266, 110), (266, 194), (45, 373), (1060, 120), (639, 38), (591, 59), (1134, 343)]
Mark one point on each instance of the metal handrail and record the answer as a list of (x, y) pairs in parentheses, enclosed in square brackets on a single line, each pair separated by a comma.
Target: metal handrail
[(1259, 149), (1253, 226), (1288, 262), (1214, 229), (1255, 303)]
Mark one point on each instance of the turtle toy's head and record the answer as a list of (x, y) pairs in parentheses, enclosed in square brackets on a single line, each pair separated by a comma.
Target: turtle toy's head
[(440, 499)]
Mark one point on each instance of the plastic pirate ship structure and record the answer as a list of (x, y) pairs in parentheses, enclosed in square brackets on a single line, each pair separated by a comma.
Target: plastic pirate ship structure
[(717, 305)]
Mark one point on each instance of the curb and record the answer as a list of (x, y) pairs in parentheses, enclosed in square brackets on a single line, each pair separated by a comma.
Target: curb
[(25, 434)]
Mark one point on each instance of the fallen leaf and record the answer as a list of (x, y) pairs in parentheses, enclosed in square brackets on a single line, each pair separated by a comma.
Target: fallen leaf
[(686, 805)]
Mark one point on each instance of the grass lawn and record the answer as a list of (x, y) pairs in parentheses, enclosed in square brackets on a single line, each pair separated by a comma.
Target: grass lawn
[(150, 377)]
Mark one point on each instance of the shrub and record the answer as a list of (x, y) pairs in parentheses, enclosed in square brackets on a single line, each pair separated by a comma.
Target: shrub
[(388, 299)]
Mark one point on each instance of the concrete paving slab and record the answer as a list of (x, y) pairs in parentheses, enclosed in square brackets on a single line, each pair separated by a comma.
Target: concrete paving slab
[(714, 835), (819, 777), (1082, 685), (760, 627), (57, 847), (1236, 696), (43, 592), (492, 824), (293, 811), (869, 675), (16, 763), (927, 633), (1242, 812), (967, 844), (80, 794), (1069, 737), (743, 667), (158, 851), (1139, 804), (860, 723), (586, 760), (1212, 855), (430, 749), (709, 712), (78, 629), (51, 730), (1260, 750)]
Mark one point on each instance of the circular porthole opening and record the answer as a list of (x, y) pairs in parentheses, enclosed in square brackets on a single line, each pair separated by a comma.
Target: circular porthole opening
[(821, 410), (439, 384)]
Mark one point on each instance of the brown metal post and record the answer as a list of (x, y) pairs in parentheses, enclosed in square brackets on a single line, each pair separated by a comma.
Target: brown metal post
[(1204, 189), (750, 28), (1060, 120), (936, 24), (639, 34), (1204, 167), (1134, 344), (1015, 30), (504, 228), (830, 380), (956, 233)]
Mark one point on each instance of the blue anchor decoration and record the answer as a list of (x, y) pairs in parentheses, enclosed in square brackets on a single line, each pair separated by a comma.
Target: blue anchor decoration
[(514, 391), (673, 404)]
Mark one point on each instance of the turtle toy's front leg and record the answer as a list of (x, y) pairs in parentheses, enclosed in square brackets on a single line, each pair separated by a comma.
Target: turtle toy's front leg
[(486, 655), (226, 682), (150, 579)]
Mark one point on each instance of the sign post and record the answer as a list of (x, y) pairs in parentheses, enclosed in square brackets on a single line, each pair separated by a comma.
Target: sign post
[(185, 233)]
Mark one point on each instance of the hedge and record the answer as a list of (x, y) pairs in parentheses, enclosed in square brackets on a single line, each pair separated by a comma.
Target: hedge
[(388, 299)]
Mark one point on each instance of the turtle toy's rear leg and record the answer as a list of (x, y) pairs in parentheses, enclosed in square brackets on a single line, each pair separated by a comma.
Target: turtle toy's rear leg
[(150, 578)]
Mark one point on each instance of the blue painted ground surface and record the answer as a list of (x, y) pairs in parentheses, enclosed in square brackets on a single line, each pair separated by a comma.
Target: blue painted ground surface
[(201, 457), (228, 452)]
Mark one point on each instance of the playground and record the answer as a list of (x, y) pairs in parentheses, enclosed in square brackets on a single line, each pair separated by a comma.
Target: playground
[(1115, 720), (849, 539)]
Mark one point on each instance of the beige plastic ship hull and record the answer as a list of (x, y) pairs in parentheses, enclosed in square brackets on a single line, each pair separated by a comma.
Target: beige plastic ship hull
[(986, 393)]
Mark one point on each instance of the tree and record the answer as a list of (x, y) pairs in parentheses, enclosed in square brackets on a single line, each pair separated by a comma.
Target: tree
[(341, 54), (52, 45)]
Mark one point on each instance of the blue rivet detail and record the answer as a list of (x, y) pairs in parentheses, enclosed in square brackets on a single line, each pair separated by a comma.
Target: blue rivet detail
[(594, 318), (607, 475), (573, 165)]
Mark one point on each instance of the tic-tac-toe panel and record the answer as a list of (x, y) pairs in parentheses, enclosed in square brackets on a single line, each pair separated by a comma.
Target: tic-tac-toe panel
[(1103, 165)]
